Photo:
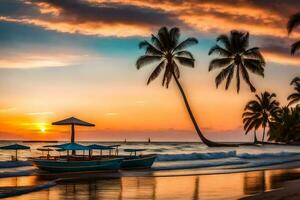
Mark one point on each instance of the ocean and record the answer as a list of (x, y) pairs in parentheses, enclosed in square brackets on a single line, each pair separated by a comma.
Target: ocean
[(178, 165)]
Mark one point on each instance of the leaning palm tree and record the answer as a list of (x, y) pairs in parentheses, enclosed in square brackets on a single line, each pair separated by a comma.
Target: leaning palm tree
[(295, 97), (236, 58), (261, 112), (166, 49), (293, 22)]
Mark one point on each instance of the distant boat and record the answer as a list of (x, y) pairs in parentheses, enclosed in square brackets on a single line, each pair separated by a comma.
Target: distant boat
[(137, 161)]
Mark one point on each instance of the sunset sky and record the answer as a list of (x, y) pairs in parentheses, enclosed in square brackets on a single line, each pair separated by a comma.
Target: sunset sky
[(62, 58)]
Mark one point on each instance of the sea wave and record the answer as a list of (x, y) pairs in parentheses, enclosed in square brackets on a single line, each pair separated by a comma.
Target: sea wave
[(191, 165), (220, 155), (195, 156), (267, 155)]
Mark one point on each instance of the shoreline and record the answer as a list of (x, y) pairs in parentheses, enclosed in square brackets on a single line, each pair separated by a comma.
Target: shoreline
[(230, 186)]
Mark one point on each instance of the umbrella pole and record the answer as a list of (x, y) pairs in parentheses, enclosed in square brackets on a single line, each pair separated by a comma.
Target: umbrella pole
[(73, 137), (16, 155)]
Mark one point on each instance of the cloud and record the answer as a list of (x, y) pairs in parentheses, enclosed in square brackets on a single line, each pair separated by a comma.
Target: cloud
[(40, 113), (125, 18), (25, 60), (137, 17), (111, 114), (5, 110), (83, 17)]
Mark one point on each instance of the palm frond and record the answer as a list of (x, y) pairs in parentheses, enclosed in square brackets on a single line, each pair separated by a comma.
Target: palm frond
[(245, 76), (174, 36), (219, 63), (149, 48), (295, 47), (295, 80), (293, 22), (219, 51), (146, 59), (185, 44), (254, 53), (156, 72), (184, 54), (225, 41), (157, 43), (222, 75), (186, 61), (255, 66), (229, 78), (245, 41), (163, 35)]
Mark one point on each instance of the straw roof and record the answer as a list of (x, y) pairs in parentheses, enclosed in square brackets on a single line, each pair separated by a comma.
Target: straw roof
[(72, 121)]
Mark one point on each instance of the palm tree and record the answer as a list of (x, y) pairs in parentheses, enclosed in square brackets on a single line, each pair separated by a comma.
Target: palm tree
[(166, 49), (295, 97), (286, 128), (236, 58), (261, 112), (250, 120), (293, 22)]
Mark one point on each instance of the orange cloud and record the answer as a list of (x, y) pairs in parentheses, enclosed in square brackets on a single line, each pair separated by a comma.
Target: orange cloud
[(133, 18), (281, 58), (86, 28)]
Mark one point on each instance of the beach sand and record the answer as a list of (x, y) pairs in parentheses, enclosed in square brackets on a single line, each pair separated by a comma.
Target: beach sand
[(204, 187), (289, 191)]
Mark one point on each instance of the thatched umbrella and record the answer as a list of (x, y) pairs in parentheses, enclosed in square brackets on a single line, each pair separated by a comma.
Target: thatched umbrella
[(72, 121), (15, 147)]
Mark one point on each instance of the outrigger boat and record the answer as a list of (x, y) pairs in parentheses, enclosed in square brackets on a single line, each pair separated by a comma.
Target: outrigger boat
[(76, 163)]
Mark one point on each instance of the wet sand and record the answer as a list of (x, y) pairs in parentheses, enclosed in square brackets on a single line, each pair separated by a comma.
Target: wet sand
[(290, 191), (211, 187)]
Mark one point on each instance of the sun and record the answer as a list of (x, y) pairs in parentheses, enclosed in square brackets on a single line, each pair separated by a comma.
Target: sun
[(43, 129)]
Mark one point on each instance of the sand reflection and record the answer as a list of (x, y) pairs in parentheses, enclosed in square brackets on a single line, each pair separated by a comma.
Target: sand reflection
[(224, 186)]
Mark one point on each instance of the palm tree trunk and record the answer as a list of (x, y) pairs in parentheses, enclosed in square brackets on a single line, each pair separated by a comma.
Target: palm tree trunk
[(202, 137), (255, 138), (264, 131)]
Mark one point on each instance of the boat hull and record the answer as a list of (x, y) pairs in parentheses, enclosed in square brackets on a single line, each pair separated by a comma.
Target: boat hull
[(138, 162), (78, 166)]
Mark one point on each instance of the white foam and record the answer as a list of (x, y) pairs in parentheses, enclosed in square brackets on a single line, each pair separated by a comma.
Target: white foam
[(197, 164), (195, 156), (267, 155)]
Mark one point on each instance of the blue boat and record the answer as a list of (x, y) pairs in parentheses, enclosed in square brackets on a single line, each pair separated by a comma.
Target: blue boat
[(76, 163), (78, 166), (137, 161)]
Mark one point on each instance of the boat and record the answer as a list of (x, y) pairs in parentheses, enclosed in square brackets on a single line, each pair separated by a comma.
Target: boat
[(75, 163), (137, 161), (65, 165)]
